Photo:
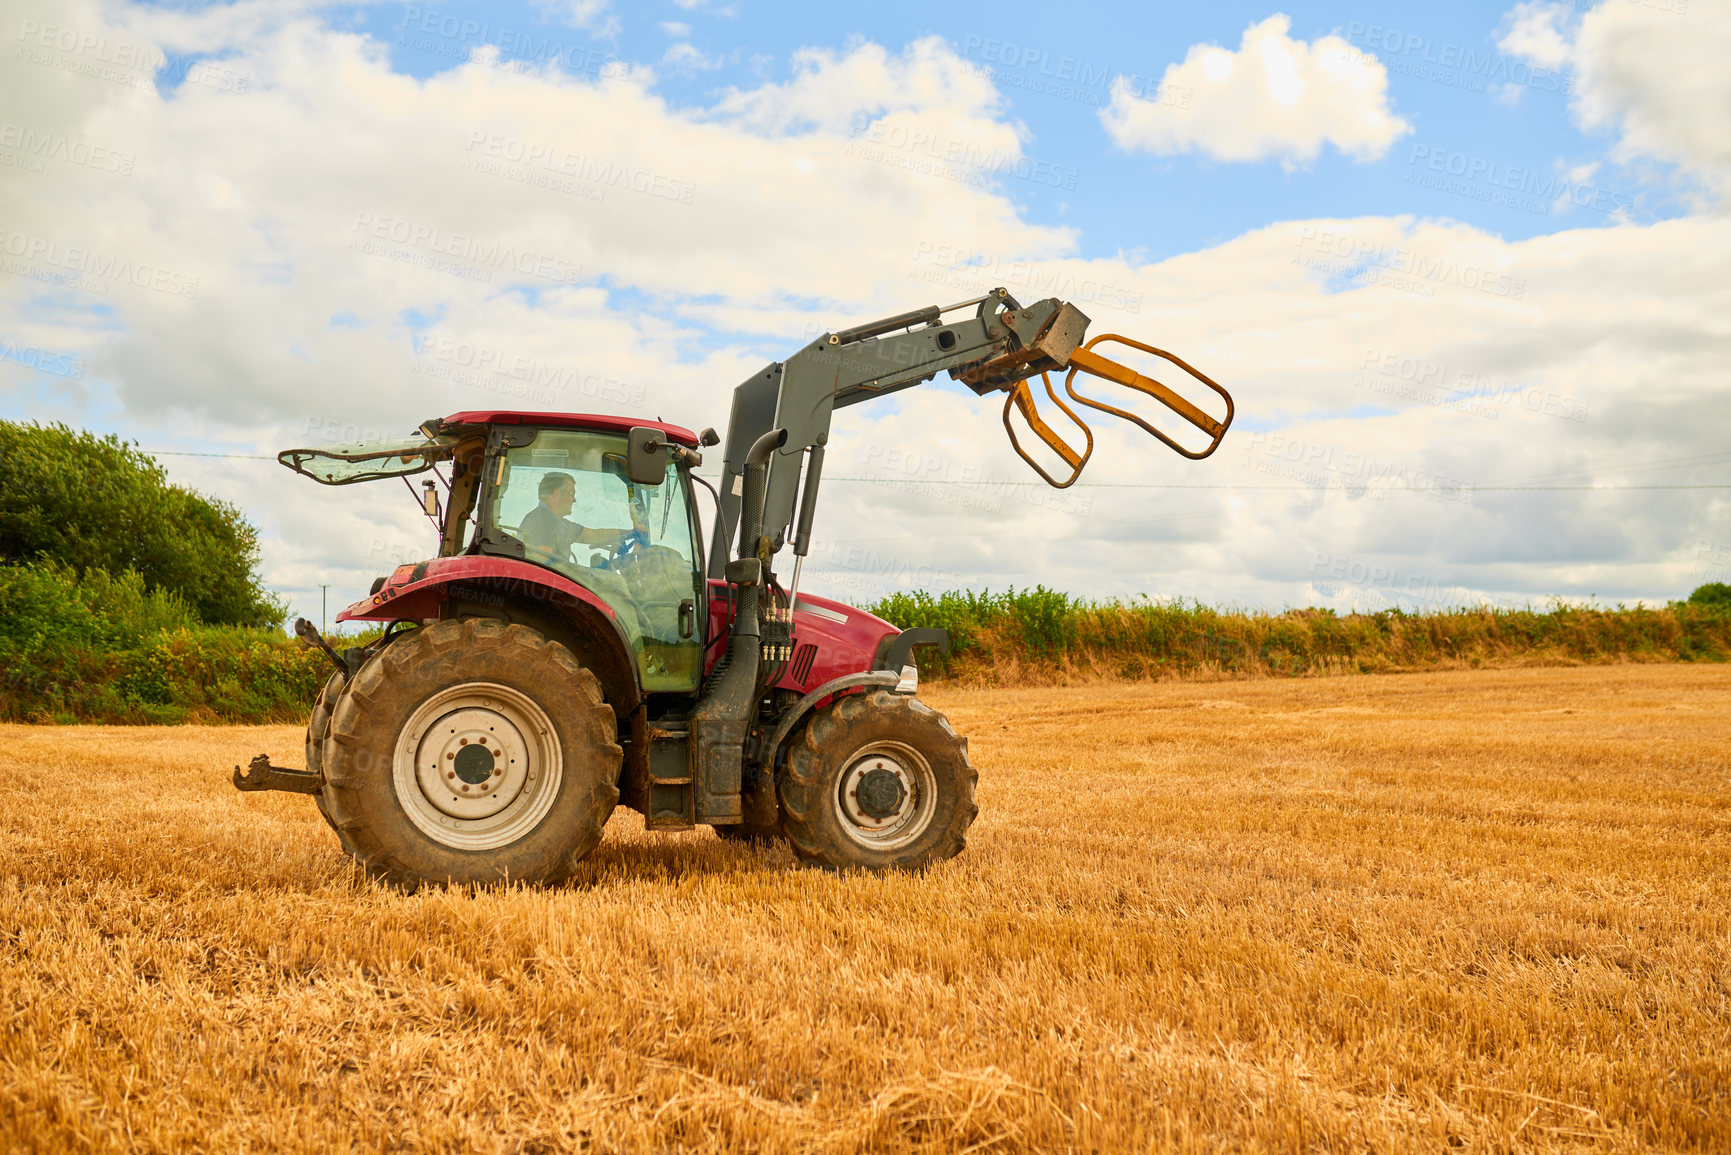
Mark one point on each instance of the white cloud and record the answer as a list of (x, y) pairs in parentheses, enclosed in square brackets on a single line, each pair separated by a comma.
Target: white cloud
[(1654, 74), (675, 29), (685, 57), (595, 15), (1538, 31), (1659, 78), (828, 91), (273, 198), (1275, 97)]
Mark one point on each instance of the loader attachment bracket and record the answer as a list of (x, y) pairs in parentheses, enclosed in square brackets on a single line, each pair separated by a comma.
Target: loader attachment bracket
[(1022, 398), (1048, 338), (1085, 360)]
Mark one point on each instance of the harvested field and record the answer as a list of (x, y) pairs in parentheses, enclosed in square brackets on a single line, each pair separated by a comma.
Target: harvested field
[(1488, 910)]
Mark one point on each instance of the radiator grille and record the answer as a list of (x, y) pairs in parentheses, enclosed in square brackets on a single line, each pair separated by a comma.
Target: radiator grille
[(802, 662)]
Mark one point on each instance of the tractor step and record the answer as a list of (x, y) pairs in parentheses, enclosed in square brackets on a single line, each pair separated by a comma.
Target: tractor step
[(669, 804)]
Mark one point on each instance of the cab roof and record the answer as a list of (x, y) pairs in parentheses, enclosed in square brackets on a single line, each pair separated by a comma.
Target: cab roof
[(603, 422)]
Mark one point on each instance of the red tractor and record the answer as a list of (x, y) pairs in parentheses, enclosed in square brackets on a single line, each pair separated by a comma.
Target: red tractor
[(573, 645)]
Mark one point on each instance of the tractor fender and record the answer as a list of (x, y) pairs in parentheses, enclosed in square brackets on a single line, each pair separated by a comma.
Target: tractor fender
[(886, 678), (513, 590), (412, 589), (895, 653)]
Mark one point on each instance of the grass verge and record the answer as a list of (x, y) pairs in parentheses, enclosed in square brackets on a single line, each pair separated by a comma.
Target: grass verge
[(1043, 637)]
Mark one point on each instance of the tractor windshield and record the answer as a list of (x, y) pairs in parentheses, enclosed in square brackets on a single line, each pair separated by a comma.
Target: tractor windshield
[(566, 497)]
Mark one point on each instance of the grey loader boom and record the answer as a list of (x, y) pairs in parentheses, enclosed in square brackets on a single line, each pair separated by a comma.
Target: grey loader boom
[(1000, 346)]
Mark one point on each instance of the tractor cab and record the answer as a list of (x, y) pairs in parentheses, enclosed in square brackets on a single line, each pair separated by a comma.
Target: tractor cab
[(558, 490)]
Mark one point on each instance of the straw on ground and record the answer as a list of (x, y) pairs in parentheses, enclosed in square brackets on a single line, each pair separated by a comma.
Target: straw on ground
[(1483, 909)]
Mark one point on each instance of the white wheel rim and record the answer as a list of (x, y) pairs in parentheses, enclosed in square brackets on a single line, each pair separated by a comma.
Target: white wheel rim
[(886, 797), (477, 766)]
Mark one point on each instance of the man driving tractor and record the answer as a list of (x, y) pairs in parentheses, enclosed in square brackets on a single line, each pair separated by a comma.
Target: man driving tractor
[(548, 531)]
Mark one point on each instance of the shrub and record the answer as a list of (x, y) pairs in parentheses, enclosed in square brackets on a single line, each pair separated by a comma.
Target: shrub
[(1713, 595), (96, 503), (104, 648), (1042, 635)]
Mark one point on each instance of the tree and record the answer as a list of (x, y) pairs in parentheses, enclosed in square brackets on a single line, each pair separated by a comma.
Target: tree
[(95, 502), (1714, 594)]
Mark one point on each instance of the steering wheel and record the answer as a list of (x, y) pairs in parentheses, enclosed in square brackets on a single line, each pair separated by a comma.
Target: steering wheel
[(619, 550)]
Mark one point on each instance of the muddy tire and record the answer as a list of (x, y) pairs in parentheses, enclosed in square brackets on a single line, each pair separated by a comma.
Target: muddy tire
[(318, 728), (471, 752), (877, 780)]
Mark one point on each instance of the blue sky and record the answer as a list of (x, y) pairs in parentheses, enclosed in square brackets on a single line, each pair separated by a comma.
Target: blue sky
[(1440, 258), (1056, 76)]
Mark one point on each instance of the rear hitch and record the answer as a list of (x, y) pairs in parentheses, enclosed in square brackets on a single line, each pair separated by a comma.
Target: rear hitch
[(261, 775)]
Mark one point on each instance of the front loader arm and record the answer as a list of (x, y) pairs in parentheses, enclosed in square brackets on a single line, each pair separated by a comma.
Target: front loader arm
[(1001, 346)]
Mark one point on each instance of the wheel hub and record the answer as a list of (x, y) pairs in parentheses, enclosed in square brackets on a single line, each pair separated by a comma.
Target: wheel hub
[(886, 795), (477, 766), (879, 793), (472, 763)]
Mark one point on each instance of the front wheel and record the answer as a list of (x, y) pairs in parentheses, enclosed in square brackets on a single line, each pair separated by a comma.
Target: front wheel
[(471, 752), (877, 780)]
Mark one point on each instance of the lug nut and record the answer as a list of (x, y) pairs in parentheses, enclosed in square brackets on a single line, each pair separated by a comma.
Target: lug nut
[(450, 773), (462, 741)]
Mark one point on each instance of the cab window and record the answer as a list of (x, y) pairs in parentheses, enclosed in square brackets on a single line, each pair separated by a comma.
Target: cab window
[(566, 497)]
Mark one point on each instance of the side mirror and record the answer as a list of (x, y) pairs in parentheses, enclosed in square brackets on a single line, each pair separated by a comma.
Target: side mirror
[(646, 456), (708, 437)]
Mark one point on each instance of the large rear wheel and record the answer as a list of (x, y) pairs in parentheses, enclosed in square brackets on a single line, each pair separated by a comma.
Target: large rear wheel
[(471, 752), (318, 729), (877, 780)]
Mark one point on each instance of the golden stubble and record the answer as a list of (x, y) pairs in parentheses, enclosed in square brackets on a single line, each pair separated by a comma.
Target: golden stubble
[(1479, 911)]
